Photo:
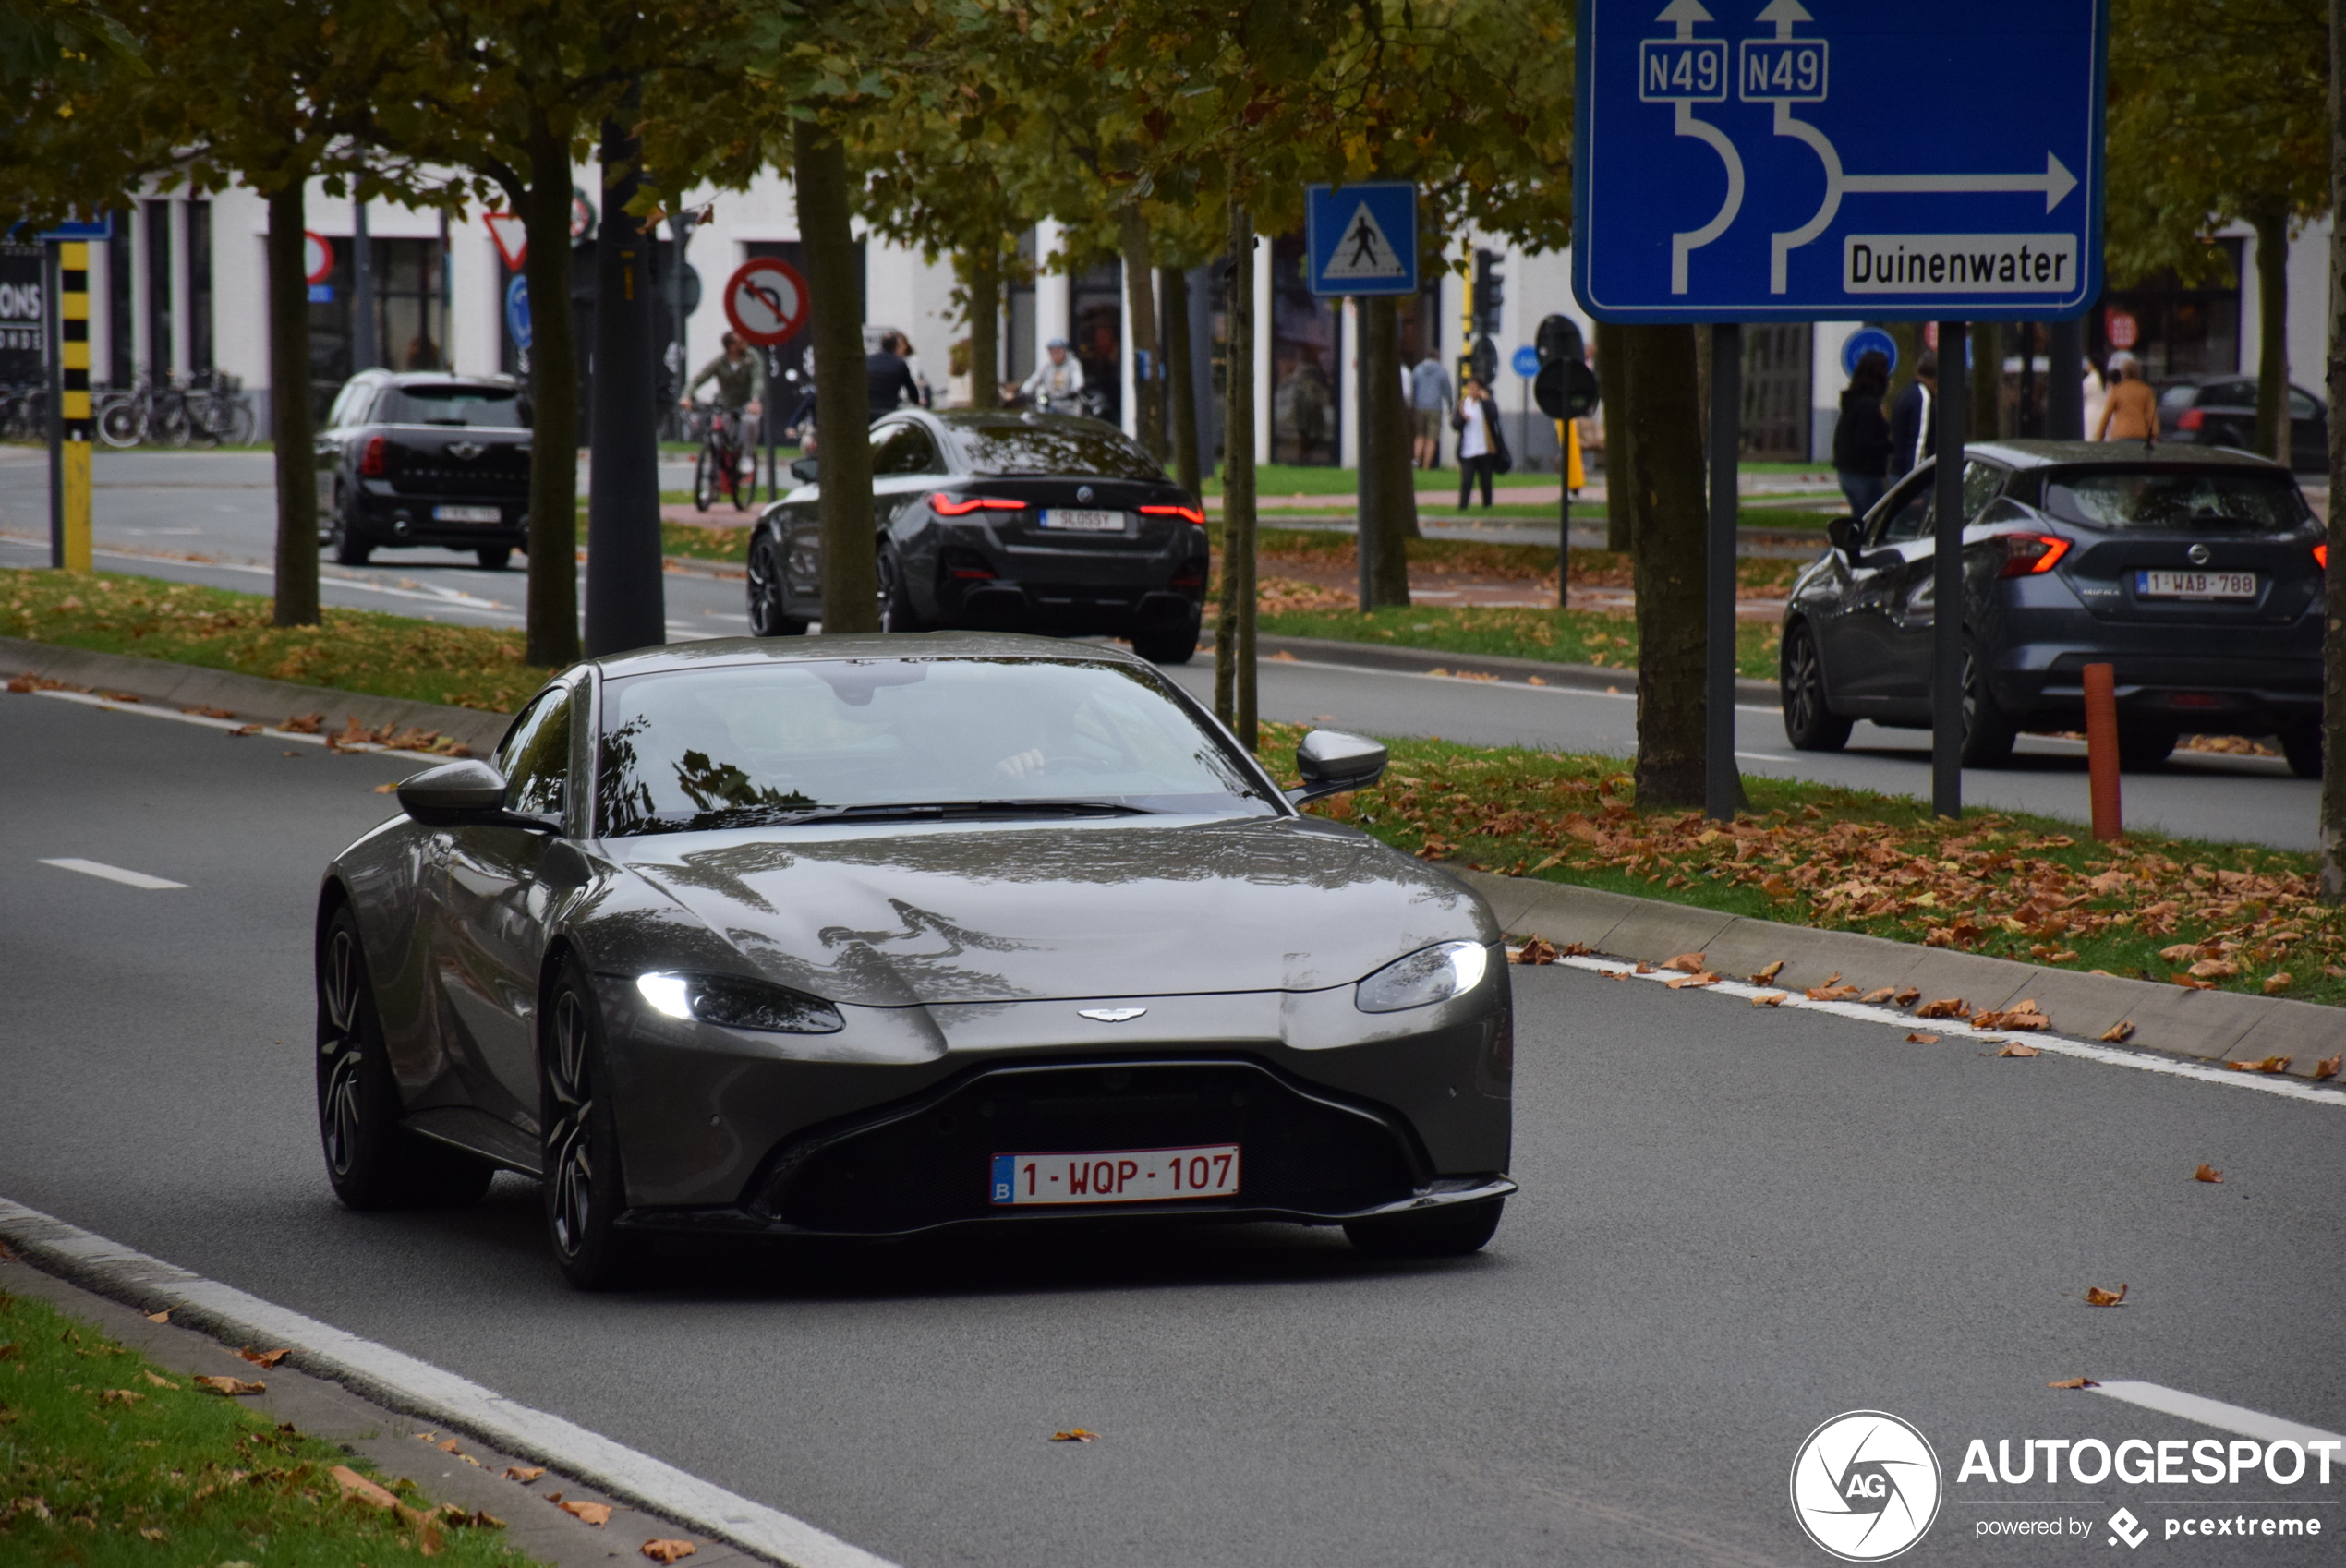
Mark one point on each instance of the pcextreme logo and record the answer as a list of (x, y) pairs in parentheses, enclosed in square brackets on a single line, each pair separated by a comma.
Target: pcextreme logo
[(1865, 1486)]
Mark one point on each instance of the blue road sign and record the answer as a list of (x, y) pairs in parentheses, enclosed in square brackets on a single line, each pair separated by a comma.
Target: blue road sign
[(518, 309), (322, 294), (100, 227), (1865, 341), (1525, 362), (1740, 162), (1362, 238)]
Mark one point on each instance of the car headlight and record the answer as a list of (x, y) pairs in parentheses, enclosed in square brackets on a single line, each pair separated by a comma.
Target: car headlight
[(739, 1004), (1427, 976)]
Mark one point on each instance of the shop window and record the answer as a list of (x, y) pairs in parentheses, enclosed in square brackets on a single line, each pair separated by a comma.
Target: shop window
[(1306, 404), (1095, 331)]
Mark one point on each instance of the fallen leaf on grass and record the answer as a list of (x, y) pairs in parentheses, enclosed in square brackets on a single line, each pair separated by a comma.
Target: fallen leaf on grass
[(2097, 1297), (2119, 1033), (2207, 1172), (1074, 1434), (479, 1519), (2327, 1068), (1945, 1007), (1536, 950), (231, 1385), (1770, 998), (1688, 963), (161, 1317), (2075, 1383), (2191, 983), (2214, 969), (120, 1396), (1922, 1040), (2180, 952), (2278, 983), (668, 1550), (2267, 1063), (158, 1380), (264, 1358), (596, 1514), (2015, 1048), (151, 1533), (1703, 978), (523, 1473), (1767, 976), (356, 1485)]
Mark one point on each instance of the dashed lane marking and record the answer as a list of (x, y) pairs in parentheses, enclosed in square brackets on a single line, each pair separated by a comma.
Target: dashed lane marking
[(113, 872)]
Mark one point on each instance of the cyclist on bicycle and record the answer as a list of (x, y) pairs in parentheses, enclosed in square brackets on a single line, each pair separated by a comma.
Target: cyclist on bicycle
[(741, 384), (1056, 386)]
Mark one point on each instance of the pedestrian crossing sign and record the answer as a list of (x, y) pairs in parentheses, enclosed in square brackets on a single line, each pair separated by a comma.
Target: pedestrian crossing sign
[(1362, 238)]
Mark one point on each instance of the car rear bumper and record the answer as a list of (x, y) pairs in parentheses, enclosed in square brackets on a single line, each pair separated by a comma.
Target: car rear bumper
[(409, 520), (1000, 605), (2045, 686)]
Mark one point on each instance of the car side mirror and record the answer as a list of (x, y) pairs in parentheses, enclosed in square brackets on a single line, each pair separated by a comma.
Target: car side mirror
[(1332, 763), (1842, 532), (463, 794), (802, 469)]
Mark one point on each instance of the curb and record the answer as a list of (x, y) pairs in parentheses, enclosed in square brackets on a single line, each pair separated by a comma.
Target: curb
[(247, 696), (2218, 1026), (1425, 661)]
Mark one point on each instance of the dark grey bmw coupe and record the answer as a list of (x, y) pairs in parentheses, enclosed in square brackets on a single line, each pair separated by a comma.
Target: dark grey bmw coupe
[(865, 936)]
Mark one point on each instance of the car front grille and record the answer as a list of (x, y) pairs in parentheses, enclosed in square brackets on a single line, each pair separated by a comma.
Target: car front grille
[(926, 1163)]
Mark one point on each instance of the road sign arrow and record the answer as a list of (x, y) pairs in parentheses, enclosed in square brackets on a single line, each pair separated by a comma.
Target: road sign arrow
[(2056, 182), (1784, 12), (1685, 14)]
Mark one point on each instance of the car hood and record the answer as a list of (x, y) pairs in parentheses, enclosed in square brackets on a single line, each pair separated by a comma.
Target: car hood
[(1012, 911)]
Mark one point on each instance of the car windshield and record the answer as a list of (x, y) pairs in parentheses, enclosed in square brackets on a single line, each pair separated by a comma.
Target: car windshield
[(751, 745), (497, 407), (1009, 447), (2151, 499)]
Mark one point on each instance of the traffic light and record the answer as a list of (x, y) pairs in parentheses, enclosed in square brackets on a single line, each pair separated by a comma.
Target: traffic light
[(1489, 291)]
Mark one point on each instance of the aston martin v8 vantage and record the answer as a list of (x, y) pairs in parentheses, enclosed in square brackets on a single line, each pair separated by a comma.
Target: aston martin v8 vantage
[(865, 937)]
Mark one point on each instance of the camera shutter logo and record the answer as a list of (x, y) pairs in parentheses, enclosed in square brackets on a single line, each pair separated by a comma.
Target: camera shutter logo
[(1866, 1486)]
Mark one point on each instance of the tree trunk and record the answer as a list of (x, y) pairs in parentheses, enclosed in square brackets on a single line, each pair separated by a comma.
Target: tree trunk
[(981, 281), (1987, 382), (626, 597), (1234, 625), (289, 418), (553, 395), (2272, 335), (851, 575), (2333, 802), (1620, 495), (1667, 554), (1148, 358), (1385, 451), (1181, 380)]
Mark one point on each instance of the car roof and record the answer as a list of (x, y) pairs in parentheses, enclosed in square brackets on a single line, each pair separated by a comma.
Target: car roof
[(718, 652), (2117, 453), (1019, 419), (434, 377)]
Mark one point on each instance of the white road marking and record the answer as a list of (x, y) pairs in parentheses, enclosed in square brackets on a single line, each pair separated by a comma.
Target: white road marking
[(157, 710), (2055, 1044), (418, 1388), (1764, 757), (2216, 1413), (113, 874)]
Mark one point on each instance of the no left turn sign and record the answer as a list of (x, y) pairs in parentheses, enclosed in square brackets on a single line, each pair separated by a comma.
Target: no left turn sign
[(766, 301)]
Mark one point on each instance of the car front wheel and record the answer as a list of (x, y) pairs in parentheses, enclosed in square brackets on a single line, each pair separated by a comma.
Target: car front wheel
[(350, 546), (2302, 744), (584, 1191), (1452, 1231), (897, 613), (1808, 722), (1987, 731), (769, 595)]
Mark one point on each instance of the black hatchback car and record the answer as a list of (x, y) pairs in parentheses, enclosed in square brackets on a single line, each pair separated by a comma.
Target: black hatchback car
[(2196, 572), (1003, 521), (2221, 410), (425, 458)]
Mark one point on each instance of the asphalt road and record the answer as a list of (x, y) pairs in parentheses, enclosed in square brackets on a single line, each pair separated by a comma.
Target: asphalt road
[(1735, 1223), (154, 508)]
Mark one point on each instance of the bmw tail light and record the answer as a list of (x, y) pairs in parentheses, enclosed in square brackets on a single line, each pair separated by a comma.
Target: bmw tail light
[(2190, 419), (375, 458), (961, 506), (1186, 513), (2029, 555)]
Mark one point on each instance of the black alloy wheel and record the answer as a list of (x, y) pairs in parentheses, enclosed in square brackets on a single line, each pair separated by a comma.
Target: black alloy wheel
[(492, 557), (373, 1163), (1808, 723), (897, 613), (583, 1192), (768, 593), (2302, 744), (1987, 731), (1451, 1231), (351, 546), (1178, 646), (2142, 747)]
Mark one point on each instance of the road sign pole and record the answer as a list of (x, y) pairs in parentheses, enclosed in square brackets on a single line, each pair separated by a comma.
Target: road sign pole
[(73, 404), (2065, 397), (50, 335), (1722, 787), (1364, 516), (1950, 403), (1563, 526)]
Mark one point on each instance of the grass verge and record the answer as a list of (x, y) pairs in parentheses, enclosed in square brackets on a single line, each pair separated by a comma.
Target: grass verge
[(2233, 917), (353, 650), (105, 1459), (1560, 636), (697, 541)]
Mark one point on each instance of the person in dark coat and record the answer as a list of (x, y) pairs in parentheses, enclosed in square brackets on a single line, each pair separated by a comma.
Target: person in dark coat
[(888, 379), (1861, 441), (1913, 434)]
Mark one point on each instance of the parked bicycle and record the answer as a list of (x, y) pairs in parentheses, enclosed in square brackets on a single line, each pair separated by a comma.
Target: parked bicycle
[(210, 409), (725, 465)]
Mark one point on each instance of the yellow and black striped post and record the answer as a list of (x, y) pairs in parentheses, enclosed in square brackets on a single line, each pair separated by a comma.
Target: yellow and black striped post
[(73, 358)]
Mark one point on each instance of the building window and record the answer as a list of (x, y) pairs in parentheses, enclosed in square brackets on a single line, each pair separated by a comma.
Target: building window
[(160, 363), (1307, 419), (122, 359), (199, 287), (2177, 331), (1777, 391), (410, 324), (1095, 329), (1019, 328)]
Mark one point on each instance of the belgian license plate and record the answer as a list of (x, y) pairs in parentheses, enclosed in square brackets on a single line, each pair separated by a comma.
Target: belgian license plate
[(1076, 522), (1116, 1175), (2196, 584), (466, 514)]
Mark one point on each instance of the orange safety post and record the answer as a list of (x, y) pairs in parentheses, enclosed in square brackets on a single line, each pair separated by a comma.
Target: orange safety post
[(2101, 750)]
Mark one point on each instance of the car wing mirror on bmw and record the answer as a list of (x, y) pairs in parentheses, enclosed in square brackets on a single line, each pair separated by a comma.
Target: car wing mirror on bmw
[(1332, 762), (803, 470), (465, 794)]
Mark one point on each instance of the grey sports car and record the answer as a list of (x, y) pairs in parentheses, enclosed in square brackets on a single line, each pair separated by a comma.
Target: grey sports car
[(871, 935)]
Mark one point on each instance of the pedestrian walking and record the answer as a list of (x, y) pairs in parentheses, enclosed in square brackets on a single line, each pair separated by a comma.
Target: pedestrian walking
[(1861, 439), (2131, 414), (1429, 397), (887, 380), (1483, 450), (1913, 435)]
